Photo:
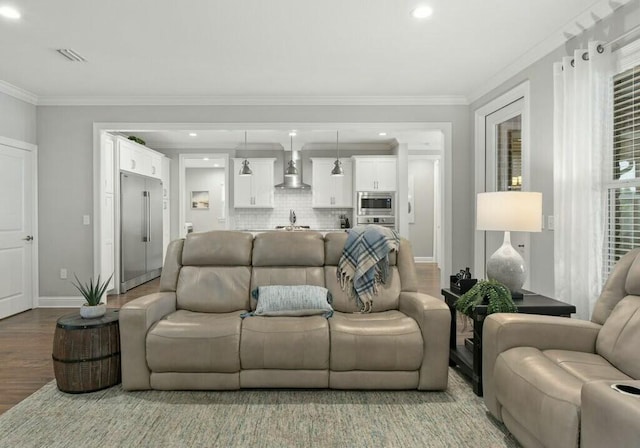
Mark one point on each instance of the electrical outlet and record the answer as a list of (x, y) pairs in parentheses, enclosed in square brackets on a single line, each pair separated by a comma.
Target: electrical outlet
[(63, 274), (86, 220)]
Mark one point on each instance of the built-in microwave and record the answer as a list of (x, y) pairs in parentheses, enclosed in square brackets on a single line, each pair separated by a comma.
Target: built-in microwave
[(376, 204)]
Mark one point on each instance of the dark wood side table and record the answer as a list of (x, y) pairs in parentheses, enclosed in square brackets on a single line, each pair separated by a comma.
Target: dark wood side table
[(470, 360), (86, 352)]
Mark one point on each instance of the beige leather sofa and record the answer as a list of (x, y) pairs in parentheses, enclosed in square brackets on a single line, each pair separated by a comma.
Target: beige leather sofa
[(548, 378), (190, 334)]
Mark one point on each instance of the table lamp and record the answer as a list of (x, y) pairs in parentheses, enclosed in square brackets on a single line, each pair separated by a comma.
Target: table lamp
[(508, 211)]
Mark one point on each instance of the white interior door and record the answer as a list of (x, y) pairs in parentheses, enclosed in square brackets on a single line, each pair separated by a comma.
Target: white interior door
[(16, 230), (504, 168)]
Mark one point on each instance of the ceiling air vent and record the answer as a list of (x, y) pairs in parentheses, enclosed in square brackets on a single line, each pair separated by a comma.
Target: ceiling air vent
[(71, 55)]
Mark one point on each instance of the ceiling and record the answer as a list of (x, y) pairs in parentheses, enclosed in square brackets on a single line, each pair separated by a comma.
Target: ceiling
[(278, 48), (360, 138)]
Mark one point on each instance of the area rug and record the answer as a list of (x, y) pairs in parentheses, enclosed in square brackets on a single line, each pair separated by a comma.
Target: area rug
[(254, 418)]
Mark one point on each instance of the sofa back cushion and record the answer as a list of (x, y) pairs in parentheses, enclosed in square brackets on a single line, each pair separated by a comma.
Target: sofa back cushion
[(388, 294), (216, 272), (619, 336), (288, 249), (172, 266), (386, 299), (623, 280)]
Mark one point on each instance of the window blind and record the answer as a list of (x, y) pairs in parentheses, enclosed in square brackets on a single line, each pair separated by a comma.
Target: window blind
[(623, 198)]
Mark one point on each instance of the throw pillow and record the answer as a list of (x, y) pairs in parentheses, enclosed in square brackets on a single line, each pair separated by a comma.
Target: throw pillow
[(296, 300)]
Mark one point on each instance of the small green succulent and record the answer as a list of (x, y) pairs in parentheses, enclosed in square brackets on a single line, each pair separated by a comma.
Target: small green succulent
[(90, 291)]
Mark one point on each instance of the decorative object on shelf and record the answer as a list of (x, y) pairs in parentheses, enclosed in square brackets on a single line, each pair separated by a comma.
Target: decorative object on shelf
[(337, 169), (137, 140), (508, 211), (291, 169), (245, 171), (200, 200), (92, 293), (490, 292), (462, 281)]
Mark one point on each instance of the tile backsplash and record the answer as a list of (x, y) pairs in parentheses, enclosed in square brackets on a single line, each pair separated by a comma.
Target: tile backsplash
[(297, 200)]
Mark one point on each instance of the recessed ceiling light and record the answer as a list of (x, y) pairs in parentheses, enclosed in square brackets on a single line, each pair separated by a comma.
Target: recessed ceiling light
[(206, 158), (9, 12), (216, 165), (421, 12), (192, 134), (382, 134)]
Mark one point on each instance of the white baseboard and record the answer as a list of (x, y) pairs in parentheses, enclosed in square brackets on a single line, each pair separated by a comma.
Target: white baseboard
[(423, 259), (60, 302)]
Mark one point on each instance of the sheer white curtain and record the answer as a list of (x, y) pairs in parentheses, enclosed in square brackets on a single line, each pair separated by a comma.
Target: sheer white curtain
[(582, 142)]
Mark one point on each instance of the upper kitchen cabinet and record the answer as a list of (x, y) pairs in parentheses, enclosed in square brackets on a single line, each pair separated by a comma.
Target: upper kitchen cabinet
[(256, 190), (376, 173), (139, 159), (329, 191)]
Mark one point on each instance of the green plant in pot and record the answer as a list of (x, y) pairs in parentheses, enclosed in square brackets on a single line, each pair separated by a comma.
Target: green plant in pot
[(92, 293), (494, 294)]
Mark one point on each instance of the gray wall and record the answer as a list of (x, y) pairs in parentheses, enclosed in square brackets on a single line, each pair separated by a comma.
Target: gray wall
[(65, 136), (205, 179), (17, 119), (540, 76), (421, 231)]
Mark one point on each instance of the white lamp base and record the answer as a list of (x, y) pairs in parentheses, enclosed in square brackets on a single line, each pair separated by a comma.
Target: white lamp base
[(506, 265)]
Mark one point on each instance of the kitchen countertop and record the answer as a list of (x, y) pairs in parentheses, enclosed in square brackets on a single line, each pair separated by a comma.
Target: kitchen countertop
[(297, 230)]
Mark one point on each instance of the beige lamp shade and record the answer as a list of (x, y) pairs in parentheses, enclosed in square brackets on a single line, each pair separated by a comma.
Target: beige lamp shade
[(513, 211)]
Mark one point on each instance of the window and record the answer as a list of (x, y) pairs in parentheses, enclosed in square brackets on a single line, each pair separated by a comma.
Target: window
[(623, 191)]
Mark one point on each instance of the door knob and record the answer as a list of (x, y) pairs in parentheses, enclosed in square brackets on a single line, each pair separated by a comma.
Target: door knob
[(28, 238)]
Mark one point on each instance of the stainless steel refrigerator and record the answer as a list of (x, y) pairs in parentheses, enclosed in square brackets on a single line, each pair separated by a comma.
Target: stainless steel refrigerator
[(141, 230)]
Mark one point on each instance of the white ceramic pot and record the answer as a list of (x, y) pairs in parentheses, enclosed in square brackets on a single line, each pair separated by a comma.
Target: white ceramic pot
[(91, 312)]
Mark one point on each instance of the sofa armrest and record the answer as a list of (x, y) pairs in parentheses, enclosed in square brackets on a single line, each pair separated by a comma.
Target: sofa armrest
[(609, 418), (434, 319), (136, 317), (503, 331)]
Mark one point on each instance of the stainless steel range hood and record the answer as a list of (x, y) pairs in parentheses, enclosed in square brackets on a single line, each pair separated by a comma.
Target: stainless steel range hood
[(293, 181)]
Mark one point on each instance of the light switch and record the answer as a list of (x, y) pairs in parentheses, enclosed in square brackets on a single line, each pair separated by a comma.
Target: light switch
[(86, 220), (63, 273), (550, 222)]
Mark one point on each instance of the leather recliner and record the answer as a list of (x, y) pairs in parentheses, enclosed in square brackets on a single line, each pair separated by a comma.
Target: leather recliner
[(548, 378), (190, 334)]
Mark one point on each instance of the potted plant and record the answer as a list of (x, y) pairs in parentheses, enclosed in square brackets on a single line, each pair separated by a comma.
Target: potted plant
[(491, 292), (92, 293)]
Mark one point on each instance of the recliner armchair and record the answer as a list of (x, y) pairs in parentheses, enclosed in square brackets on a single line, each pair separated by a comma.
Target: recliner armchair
[(547, 378)]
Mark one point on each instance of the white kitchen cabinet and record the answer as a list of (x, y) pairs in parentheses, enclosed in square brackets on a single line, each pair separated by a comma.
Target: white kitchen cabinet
[(257, 190), (329, 191), (166, 204), (376, 173), (136, 158)]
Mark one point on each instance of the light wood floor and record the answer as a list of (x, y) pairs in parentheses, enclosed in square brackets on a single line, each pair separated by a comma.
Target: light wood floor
[(26, 339)]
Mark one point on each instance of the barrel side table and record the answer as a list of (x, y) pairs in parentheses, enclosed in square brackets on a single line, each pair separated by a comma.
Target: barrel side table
[(86, 353)]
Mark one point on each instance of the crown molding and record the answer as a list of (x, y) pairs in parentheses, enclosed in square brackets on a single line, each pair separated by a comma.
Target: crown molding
[(19, 93), (204, 100), (572, 29)]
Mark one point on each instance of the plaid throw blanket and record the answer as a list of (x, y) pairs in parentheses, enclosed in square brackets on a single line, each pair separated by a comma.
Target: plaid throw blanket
[(364, 263)]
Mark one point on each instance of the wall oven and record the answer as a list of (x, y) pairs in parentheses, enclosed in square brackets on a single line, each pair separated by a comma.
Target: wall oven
[(376, 208)]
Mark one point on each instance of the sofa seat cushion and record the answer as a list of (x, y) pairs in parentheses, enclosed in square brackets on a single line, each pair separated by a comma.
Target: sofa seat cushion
[(585, 366), (195, 342), (285, 343), (539, 395), (388, 341)]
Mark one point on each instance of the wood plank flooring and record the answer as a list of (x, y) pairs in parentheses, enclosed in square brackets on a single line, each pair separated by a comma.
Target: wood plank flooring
[(26, 339)]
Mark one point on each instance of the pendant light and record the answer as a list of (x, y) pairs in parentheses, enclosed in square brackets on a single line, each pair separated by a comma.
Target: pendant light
[(245, 171), (291, 169), (337, 170)]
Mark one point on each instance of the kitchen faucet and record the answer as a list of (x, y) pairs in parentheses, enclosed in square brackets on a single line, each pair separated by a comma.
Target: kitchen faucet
[(292, 217)]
